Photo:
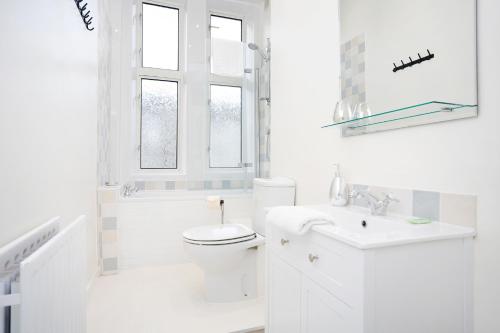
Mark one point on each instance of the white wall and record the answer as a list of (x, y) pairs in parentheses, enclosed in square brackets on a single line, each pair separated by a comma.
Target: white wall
[(47, 118), (460, 156)]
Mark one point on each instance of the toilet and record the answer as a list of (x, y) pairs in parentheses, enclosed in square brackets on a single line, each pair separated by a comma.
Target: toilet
[(227, 252)]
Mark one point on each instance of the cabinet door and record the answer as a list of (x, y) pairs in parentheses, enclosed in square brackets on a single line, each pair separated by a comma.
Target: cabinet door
[(322, 312), (283, 297)]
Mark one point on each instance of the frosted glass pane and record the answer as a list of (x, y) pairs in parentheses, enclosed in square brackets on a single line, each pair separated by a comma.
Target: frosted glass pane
[(160, 37), (225, 28), (159, 125), (225, 127)]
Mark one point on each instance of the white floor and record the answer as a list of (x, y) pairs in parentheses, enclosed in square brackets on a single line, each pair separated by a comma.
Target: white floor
[(165, 299)]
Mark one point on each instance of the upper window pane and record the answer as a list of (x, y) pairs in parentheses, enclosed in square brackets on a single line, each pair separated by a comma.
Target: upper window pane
[(225, 28), (159, 124), (225, 127), (160, 37)]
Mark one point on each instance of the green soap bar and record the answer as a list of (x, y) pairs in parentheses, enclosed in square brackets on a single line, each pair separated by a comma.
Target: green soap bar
[(419, 221)]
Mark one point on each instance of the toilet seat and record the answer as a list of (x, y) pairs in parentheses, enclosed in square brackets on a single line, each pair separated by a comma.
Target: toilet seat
[(222, 234)]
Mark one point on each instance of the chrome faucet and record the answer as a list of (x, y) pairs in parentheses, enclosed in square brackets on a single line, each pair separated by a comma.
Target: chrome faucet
[(377, 206), (129, 189)]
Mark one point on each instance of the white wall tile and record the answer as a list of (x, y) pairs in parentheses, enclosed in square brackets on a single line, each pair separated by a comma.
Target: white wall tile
[(459, 209), (150, 232)]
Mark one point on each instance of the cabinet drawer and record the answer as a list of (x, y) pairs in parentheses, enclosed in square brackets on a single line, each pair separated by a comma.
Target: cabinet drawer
[(330, 263), (335, 266), (323, 312), (286, 245)]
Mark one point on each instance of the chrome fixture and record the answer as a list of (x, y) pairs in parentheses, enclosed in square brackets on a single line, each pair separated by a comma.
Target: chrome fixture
[(262, 75), (312, 258), (265, 56), (377, 206), (129, 189)]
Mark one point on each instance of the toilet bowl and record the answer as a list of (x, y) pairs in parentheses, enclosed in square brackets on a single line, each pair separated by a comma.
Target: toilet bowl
[(227, 253)]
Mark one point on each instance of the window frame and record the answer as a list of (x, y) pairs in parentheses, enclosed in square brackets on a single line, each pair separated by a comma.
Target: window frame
[(159, 74), (193, 127), (214, 79)]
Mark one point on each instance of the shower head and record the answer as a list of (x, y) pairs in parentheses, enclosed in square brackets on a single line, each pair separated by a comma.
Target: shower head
[(255, 47)]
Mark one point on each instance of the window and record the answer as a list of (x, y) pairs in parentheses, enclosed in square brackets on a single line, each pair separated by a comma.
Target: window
[(225, 28), (225, 127), (158, 85), (160, 37), (158, 124), (226, 118), (190, 125)]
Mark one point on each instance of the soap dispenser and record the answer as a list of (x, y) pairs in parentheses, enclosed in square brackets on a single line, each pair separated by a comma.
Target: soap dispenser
[(339, 193)]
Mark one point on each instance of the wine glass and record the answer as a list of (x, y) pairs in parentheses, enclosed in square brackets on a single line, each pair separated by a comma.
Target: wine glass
[(362, 110), (342, 112)]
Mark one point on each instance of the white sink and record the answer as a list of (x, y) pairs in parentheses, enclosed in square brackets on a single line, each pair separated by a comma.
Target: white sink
[(380, 231)]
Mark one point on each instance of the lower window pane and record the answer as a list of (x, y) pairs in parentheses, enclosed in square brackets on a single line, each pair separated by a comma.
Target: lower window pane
[(225, 127), (158, 124)]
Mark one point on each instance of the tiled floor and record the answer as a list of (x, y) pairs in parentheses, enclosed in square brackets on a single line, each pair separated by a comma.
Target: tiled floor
[(165, 299)]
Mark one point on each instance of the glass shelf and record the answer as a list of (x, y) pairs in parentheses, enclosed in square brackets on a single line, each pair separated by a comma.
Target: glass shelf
[(408, 116)]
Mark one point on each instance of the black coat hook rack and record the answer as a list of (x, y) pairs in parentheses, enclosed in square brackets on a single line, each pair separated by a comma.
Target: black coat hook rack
[(412, 62), (87, 19)]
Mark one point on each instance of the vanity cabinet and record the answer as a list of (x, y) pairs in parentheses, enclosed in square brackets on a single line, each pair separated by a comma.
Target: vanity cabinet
[(284, 301), (317, 284), (322, 311)]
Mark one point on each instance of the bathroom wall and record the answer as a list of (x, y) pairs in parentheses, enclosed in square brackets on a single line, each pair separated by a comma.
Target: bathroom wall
[(48, 100), (455, 157), (104, 147)]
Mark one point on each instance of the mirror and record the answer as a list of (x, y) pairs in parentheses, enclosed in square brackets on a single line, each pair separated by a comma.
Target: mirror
[(407, 63)]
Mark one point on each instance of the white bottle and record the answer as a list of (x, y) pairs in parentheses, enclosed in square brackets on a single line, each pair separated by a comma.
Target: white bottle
[(339, 193)]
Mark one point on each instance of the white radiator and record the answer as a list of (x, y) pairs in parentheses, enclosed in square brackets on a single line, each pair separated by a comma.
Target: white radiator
[(52, 284)]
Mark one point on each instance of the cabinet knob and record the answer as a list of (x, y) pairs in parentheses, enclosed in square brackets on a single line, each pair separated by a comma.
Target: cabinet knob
[(313, 257), (284, 241)]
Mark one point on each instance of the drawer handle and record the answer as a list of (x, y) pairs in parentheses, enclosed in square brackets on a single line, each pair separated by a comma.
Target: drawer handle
[(313, 258), (284, 242)]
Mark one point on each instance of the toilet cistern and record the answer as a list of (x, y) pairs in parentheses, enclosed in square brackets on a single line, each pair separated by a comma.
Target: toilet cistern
[(377, 206)]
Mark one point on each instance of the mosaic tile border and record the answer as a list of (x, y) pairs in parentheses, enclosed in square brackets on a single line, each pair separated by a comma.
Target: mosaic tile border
[(193, 185), (352, 70), (452, 208), (108, 230)]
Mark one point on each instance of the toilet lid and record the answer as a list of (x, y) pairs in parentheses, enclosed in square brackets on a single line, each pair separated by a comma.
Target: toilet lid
[(225, 233)]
